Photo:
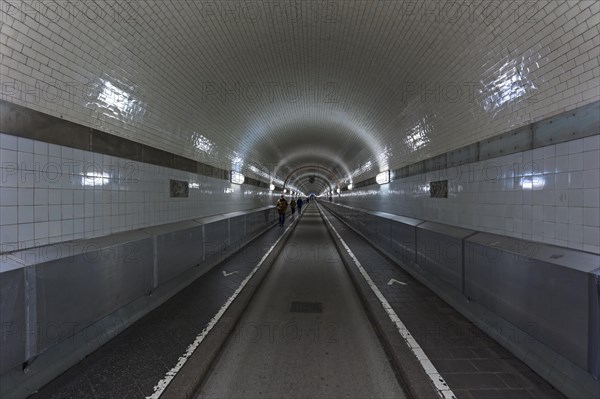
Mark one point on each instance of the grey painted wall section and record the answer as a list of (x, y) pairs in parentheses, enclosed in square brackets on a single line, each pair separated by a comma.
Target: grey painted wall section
[(540, 300), (80, 282), (440, 251), (12, 314), (539, 288), (549, 194), (24, 122), (576, 124), (51, 193)]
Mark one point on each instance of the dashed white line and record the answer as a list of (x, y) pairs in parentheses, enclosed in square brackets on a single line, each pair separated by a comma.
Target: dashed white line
[(160, 387), (442, 387)]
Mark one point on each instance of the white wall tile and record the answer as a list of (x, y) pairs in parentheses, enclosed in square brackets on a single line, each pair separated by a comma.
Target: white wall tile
[(562, 214), (575, 236), (549, 165), (8, 215), (591, 197), (41, 230), (562, 163), (575, 198), (575, 180), (561, 78), (562, 149), (591, 160), (9, 234), (25, 196), (55, 229), (8, 158), (575, 146), (549, 151), (591, 217), (591, 143), (26, 232), (548, 213), (558, 76), (8, 142), (576, 161), (591, 235), (61, 207), (25, 145), (8, 196)]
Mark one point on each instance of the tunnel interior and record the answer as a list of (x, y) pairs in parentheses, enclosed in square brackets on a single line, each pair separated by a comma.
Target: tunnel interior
[(144, 145)]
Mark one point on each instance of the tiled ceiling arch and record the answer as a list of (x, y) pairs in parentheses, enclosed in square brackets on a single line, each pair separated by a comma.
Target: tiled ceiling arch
[(363, 85), (308, 171), (313, 183)]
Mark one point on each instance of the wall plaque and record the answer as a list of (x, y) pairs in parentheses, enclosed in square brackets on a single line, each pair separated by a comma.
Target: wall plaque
[(438, 189), (179, 188)]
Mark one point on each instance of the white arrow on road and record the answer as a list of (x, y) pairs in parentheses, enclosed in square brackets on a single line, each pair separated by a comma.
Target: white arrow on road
[(228, 274), (392, 281)]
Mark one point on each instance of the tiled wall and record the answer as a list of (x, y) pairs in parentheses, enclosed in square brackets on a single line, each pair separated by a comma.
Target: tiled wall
[(140, 70), (550, 194), (45, 196)]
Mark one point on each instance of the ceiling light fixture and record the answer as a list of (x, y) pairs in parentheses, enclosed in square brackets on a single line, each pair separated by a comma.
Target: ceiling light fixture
[(383, 177), (236, 177)]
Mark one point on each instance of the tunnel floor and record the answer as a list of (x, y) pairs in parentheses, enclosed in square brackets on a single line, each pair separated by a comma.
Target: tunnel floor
[(473, 365), (304, 334)]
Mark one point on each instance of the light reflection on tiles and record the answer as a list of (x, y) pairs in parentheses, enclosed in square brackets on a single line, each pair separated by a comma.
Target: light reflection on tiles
[(524, 70), (80, 194), (501, 195)]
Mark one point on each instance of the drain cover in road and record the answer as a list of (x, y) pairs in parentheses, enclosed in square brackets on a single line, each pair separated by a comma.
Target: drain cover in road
[(307, 307)]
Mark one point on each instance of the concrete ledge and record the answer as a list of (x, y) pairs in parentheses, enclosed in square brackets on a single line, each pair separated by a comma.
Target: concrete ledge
[(568, 377), (34, 362), (406, 365), (190, 378)]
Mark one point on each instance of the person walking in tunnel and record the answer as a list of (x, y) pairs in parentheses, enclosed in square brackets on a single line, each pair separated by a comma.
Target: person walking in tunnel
[(293, 205), (281, 208), (299, 203)]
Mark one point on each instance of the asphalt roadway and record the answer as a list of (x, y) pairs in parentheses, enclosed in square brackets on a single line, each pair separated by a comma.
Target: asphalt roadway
[(305, 334)]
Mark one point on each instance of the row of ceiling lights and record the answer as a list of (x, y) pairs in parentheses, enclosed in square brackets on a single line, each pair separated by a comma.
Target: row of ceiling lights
[(381, 178)]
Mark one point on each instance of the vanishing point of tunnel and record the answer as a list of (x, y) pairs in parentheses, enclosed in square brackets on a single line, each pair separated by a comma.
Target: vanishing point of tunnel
[(299, 199)]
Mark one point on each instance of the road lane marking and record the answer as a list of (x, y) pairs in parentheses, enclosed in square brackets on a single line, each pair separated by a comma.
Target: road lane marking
[(393, 280), (441, 386), (160, 387), (229, 274)]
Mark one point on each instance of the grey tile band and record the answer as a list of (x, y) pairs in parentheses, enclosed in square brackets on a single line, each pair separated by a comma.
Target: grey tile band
[(571, 125), (24, 122)]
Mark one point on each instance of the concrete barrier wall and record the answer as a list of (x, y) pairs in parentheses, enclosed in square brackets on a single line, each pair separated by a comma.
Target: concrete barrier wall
[(546, 293), (537, 287), (53, 292)]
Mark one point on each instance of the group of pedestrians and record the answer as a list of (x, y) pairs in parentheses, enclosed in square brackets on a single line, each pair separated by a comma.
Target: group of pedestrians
[(282, 205)]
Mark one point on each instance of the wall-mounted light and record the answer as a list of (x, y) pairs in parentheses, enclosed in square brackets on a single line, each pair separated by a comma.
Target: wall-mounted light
[(236, 177), (350, 186), (533, 183), (271, 187), (95, 179), (383, 177)]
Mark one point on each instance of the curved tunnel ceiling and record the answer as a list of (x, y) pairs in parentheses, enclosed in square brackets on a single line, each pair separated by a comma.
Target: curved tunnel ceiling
[(312, 170), (358, 86), (313, 181)]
